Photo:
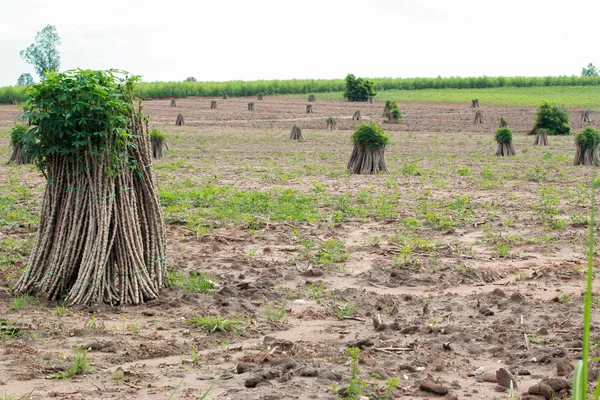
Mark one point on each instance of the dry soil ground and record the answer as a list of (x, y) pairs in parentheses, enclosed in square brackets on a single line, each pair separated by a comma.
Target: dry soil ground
[(454, 265)]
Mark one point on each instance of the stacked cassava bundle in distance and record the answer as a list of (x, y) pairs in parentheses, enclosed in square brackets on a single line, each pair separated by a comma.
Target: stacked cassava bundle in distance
[(101, 234)]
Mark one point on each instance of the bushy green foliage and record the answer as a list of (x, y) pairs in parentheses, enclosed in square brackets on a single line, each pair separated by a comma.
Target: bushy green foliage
[(74, 111), (358, 89), (190, 79), (588, 138), (304, 86), (370, 135), (157, 135), (43, 53), (17, 135), (552, 118), (393, 111), (503, 135), (591, 70), (25, 79)]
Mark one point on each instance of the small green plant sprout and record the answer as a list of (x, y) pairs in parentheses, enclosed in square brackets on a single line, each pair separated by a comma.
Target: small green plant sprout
[(19, 302), (215, 323), (355, 386), (331, 251), (392, 112), (463, 270), (504, 140), (316, 292), (158, 141), (275, 314), (297, 133), (369, 146), (331, 124), (563, 297), (478, 117), (61, 310), (503, 123), (463, 171), (195, 355), (554, 119), (17, 141), (194, 282), (220, 345), (586, 143), (80, 365), (541, 137), (345, 310)]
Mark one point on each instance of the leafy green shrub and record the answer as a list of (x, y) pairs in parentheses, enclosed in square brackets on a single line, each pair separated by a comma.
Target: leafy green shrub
[(554, 119), (588, 138), (370, 135), (358, 89), (503, 135), (17, 135), (392, 111), (157, 135)]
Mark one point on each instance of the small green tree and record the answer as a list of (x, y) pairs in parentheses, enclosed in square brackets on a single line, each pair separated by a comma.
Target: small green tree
[(554, 119), (591, 70), (392, 112), (43, 53), (190, 79), (369, 146), (17, 141), (504, 140), (358, 89), (586, 143), (25, 79)]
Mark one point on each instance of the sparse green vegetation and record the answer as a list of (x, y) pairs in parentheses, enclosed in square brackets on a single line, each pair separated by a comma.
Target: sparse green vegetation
[(216, 323), (80, 365), (195, 281)]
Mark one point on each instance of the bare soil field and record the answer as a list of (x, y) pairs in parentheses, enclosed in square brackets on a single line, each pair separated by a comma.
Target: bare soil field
[(454, 273)]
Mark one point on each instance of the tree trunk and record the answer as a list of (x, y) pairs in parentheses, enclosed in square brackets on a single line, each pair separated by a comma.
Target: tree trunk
[(309, 109), (475, 103), (311, 97), (356, 116), (370, 100), (587, 156), (296, 134), (250, 106), (505, 150), (173, 103), (367, 161), (179, 121), (213, 104), (541, 139)]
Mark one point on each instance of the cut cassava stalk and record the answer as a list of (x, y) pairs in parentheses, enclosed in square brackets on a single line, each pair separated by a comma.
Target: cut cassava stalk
[(311, 97), (101, 234), (475, 103), (368, 156), (585, 116), (309, 109), (17, 135), (158, 142), (250, 106), (541, 138), (260, 96), (586, 146), (370, 100), (478, 117), (504, 140), (296, 133), (173, 103), (356, 116), (225, 97), (213, 104), (179, 121), (331, 124), (503, 123)]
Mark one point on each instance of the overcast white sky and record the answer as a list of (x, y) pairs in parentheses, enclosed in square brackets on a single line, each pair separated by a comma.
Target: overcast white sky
[(276, 39)]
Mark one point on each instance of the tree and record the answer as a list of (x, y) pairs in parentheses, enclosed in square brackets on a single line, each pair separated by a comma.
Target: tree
[(43, 53), (591, 70), (190, 79), (358, 89), (25, 79), (554, 119)]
